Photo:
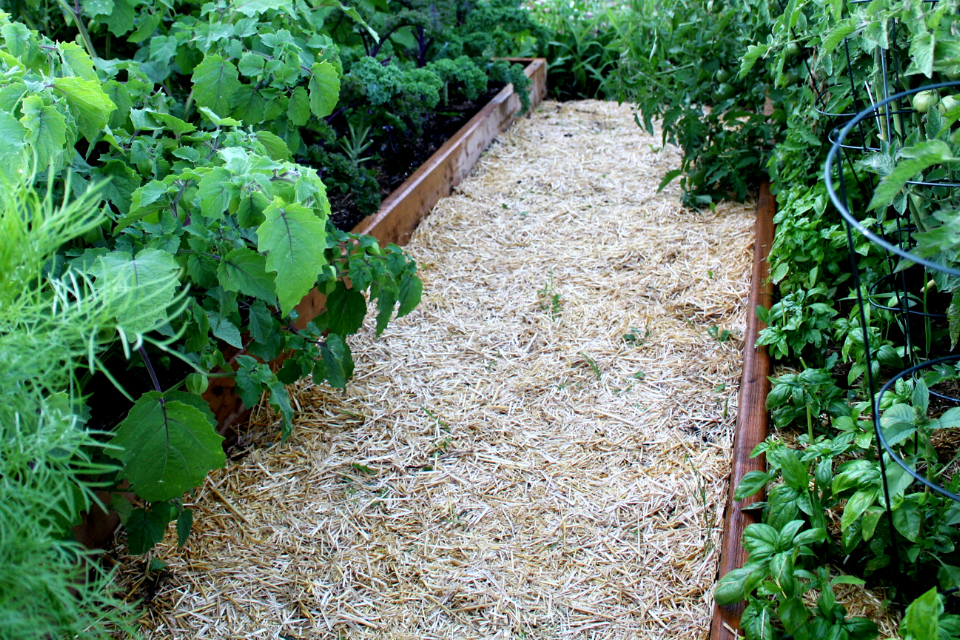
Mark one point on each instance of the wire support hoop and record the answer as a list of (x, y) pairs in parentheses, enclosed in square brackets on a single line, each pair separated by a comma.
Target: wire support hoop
[(837, 192)]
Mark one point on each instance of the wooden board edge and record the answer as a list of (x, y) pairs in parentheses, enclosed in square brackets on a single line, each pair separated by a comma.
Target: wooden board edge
[(403, 210), (751, 427)]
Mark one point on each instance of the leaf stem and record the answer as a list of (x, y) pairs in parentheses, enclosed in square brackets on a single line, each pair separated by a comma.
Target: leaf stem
[(153, 374), (75, 14)]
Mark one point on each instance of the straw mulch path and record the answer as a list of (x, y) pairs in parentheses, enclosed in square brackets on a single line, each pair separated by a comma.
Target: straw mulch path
[(539, 451)]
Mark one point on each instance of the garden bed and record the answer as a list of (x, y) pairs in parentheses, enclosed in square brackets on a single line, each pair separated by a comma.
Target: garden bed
[(541, 449)]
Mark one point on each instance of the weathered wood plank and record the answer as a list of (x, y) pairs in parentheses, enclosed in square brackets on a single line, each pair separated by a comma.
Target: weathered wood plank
[(751, 426)]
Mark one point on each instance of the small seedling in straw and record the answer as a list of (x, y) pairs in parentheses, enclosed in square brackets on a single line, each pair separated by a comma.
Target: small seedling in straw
[(634, 338), (549, 298), (720, 335), (593, 364)]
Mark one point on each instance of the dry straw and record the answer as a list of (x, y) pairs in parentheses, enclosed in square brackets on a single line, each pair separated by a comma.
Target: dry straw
[(506, 464)]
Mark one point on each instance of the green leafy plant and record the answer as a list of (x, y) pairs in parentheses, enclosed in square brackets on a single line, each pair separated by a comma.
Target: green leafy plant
[(205, 209)]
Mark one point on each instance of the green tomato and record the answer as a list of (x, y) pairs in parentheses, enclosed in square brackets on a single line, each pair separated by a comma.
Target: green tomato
[(724, 91), (924, 100), (723, 75), (789, 78), (792, 50), (949, 103)]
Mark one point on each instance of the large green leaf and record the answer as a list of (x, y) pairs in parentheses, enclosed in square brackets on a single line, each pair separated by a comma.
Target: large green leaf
[(294, 239), (324, 89), (146, 528), (411, 289), (76, 61), (245, 271), (90, 103), (149, 281), (46, 129), (922, 617), (336, 360), (12, 141), (252, 8), (215, 81), (299, 108), (346, 309), (168, 445)]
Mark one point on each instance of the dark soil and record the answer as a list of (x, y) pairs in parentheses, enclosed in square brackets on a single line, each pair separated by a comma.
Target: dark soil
[(399, 157)]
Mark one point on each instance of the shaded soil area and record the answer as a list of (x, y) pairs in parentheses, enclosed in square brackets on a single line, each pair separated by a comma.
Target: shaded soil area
[(401, 155)]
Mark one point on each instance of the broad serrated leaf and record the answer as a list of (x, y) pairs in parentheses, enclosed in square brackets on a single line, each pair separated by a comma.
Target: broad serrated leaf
[(121, 181), (356, 17), (921, 51), (184, 525), (12, 143), (120, 21), (148, 282), (337, 361), (276, 148), (346, 309), (251, 8), (245, 271), (280, 400), (217, 120), (386, 301), (76, 61), (215, 81), (294, 239), (145, 529), (249, 379), (90, 103), (411, 290), (96, 8), (46, 129), (144, 201), (215, 191), (260, 321), (177, 126), (754, 53), (298, 110), (223, 328), (167, 446), (324, 89), (251, 64)]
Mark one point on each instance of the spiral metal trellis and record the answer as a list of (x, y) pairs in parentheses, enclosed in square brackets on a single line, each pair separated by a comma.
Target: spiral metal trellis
[(889, 120)]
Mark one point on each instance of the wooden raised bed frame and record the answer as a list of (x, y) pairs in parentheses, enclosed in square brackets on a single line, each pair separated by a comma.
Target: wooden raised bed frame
[(751, 427), (395, 222)]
